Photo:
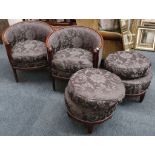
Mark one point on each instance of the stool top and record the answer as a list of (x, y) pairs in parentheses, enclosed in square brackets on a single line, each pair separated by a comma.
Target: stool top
[(92, 84), (127, 64)]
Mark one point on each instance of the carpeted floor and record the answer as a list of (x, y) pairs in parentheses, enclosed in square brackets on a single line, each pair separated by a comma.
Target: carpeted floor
[(31, 107)]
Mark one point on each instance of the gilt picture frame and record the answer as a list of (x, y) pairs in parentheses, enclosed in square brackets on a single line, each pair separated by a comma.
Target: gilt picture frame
[(149, 23), (127, 36), (145, 39)]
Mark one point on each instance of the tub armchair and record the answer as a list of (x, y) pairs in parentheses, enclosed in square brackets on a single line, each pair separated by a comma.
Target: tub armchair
[(71, 49), (25, 45)]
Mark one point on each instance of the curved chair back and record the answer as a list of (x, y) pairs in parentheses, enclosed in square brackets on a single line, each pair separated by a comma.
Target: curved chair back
[(75, 37), (28, 30)]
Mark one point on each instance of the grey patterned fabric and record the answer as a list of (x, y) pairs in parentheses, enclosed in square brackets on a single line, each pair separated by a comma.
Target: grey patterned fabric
[(59, 73), (71, 60), (27, 31), (127, 65), (87, 114), (94, 92), (29, 53), (75, 37), (136, 86)]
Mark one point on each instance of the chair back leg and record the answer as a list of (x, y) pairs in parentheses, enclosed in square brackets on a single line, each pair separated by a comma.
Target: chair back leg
[(53, 82), (15, 75)]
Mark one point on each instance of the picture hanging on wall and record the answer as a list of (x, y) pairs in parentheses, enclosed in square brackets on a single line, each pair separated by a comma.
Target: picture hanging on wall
[(145, 39)]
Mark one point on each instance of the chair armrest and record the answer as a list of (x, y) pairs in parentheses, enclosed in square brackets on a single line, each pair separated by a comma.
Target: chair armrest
[(111, 35)]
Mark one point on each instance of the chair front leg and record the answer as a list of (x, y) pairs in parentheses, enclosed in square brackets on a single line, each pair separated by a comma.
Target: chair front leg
[(53, 82), (9, 54), (50, 58)]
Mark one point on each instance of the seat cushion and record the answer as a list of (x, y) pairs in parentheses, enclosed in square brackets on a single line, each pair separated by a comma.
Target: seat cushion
[(139, 85), (71, 60), (127, 64), (29, 53)]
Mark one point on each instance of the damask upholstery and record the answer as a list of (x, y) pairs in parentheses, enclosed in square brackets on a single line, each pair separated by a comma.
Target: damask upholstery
[(92, 94), (27, 42), (29, 53), (127, 65), (75, 37), (70, 60), (25, 45), (138, 85), (31, 30)]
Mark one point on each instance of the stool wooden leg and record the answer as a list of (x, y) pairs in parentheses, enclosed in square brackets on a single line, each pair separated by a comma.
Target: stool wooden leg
[(89, 128), (142, 97)]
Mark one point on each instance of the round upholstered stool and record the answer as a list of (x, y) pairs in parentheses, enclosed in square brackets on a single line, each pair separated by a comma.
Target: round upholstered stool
[(127, 64), (92, 95), (138, 87), (133, 68)]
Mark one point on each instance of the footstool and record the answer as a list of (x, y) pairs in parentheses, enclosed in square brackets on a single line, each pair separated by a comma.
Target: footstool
[(92, 95), (133, 68), (127, 64), (138, 86)]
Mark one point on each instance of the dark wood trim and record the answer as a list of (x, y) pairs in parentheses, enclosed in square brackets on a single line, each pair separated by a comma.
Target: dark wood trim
[(141, 95), (30, 68), (89, 125), (96, 57), (60, 77), (136, 94)]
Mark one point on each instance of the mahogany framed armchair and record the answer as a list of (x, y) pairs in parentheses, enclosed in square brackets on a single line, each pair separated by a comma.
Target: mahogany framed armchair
[(71, 49), (25, 45)]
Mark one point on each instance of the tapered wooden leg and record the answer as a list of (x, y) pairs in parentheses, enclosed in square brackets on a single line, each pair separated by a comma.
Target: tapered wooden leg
[(142, 97), (89, 128), (68, 115), (53, 82), (15, 75)]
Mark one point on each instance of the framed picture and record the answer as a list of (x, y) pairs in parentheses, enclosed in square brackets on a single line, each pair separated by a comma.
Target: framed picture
[(150, 23), (145, 39), (127, 37)]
